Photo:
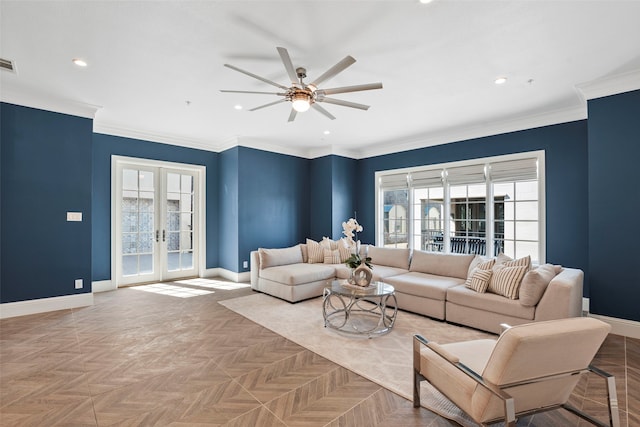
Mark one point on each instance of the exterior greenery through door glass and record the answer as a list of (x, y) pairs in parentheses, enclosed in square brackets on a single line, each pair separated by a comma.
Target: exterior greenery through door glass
[(483, 206)]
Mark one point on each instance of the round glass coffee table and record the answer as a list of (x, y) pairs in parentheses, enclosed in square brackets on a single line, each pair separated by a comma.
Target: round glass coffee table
[(357, 310)]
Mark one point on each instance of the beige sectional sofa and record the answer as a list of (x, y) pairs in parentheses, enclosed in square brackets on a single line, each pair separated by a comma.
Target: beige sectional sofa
[(428, 283)]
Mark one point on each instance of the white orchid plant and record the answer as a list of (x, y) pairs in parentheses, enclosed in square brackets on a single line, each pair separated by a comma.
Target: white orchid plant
[(351, 228)]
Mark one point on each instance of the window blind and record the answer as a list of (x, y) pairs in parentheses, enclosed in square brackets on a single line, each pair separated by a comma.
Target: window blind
[(427, 178), (514, 170), (473, 174), (399, 180)]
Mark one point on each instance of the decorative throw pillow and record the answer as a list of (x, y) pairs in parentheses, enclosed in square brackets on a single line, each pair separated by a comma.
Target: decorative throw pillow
[(478, 261), (331, 257), (479, 280), (315, 252), (275, 257), (506, 281), (534, 284), (336, 256), (327, 243), (504, 261)]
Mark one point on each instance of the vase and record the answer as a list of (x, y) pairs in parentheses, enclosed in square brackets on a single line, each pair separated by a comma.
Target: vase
[(362, 275)]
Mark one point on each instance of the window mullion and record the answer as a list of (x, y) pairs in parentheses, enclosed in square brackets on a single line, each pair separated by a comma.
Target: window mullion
[(489, 219), (447, 218)]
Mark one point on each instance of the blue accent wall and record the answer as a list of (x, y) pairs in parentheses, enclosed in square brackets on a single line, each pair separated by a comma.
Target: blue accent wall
[(344, 174), (565, 148), (273, 202), (105, 146), (320, 215), (228, 196), (614, 203), (45, 173)]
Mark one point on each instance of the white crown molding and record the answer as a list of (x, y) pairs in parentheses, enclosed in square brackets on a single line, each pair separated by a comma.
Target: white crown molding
[(114, 130), (479, 131), (610, 85), (48, 102), (43, 305), (274, 148)]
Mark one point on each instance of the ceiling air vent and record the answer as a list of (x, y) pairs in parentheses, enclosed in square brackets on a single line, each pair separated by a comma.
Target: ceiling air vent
[(7, 65)]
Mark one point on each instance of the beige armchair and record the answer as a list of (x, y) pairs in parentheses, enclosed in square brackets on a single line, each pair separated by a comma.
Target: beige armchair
[(530, 368)]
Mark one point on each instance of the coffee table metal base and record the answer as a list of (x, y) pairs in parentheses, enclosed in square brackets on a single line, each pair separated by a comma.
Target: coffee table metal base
[(359, 313)]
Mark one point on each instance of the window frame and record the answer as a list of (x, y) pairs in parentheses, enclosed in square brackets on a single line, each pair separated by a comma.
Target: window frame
[(489, 209)]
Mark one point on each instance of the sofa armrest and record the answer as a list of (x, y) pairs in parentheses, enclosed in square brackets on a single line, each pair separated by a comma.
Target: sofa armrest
[(255, 268), (563, 296)]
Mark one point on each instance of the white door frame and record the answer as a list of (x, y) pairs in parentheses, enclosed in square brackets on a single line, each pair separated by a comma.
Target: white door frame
[(200, 176)]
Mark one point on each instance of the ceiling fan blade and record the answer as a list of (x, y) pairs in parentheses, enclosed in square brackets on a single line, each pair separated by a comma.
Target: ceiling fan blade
[(317, 107), (344, 103), (250, 91), (346, 89), (331, 72), (288, 65), (255, 76), (269, 104), (292, 115)]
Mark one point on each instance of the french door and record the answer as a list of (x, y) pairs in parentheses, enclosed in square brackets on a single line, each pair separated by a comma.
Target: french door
[(156, 222)]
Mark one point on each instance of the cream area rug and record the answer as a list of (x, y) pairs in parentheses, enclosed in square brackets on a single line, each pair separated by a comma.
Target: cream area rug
[(385, 360)]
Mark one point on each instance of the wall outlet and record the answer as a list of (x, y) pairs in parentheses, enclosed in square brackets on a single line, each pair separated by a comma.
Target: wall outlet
[(74, 216), (245, 264), (78, 283)]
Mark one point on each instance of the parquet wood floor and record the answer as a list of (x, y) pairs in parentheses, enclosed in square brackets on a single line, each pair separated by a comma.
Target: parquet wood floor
[(140, 359)]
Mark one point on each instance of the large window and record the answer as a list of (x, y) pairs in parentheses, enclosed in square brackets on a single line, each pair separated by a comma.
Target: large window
[(483, 206)]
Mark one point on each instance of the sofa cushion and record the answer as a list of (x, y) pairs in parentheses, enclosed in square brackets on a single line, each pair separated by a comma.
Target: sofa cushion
[(506, 281), (380, 272), (391, 257), (461, 295), (297, 274), (275, 257), (315, 252), (479, 280), (535, 282), (423, 284), (439, 264)]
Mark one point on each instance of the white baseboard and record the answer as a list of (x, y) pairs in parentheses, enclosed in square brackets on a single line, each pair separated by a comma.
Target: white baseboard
[(627, 328), (227, 274), (43, 305), (103, 286)]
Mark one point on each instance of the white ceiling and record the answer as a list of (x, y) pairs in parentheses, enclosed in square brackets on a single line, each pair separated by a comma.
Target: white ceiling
[(437, 62)]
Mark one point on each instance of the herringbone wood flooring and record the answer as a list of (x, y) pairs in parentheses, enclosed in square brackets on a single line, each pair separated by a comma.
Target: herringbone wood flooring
[(137, 358)]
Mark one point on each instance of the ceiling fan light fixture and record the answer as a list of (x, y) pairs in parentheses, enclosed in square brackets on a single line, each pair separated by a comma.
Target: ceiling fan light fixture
[(301, 102)]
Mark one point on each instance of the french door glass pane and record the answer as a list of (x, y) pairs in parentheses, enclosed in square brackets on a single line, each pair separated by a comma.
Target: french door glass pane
[(137, 221), (179, 221)]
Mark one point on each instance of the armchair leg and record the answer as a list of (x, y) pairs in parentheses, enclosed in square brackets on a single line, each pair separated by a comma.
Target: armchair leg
[(612, 401), (510, 412), (417, 378)]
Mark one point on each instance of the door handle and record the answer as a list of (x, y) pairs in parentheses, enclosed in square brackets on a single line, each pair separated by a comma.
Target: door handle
[(157, 235), (164, 235)]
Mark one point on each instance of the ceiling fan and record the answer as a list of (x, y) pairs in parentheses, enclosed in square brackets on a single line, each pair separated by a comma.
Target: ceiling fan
[(304, 96)]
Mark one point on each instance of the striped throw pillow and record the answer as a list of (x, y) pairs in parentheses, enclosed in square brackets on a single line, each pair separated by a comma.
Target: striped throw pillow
[(315, 252), (331, 257), (479, 280), (506, 281)]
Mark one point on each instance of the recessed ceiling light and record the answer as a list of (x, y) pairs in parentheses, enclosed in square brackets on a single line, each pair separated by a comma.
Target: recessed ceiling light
[(326, 132), (79, 62), (238, 107), (425, 1), (500, 80)]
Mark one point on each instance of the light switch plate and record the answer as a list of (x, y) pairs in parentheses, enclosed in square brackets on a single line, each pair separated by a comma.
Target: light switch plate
[(74, 216)]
